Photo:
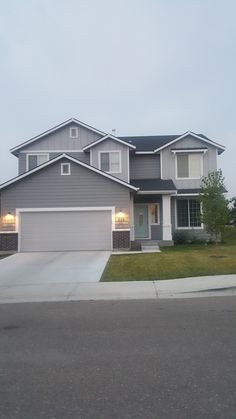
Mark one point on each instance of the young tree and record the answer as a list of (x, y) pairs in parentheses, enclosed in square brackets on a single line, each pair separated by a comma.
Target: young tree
[(215, 212), (233, 211)]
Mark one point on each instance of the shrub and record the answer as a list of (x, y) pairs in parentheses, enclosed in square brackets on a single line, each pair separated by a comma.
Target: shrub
[(181, 237)]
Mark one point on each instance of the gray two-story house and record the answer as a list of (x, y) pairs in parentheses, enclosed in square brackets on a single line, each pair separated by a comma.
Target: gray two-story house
[(79, 188)]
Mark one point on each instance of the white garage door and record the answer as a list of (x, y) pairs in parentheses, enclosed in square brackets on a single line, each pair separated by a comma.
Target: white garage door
[(65, 230)]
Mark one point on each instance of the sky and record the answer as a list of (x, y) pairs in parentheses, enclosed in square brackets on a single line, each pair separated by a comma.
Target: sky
[(143, 67)]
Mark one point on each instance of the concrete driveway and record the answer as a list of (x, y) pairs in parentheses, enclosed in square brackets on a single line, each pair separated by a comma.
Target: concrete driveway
[(48, 276)]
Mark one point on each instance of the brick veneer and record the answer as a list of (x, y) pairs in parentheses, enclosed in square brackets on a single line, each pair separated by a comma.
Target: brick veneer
[(9, 242), (121, 239)]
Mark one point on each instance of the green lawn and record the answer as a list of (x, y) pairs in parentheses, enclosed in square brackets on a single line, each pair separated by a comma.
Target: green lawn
[(175, 262)]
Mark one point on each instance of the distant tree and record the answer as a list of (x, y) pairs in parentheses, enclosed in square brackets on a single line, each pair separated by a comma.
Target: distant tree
[(215, 213)]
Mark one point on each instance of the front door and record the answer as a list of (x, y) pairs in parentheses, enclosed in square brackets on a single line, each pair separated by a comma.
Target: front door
[(141, 221)]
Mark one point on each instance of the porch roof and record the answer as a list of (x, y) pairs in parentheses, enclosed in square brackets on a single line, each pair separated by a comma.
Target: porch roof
[(154, 185)]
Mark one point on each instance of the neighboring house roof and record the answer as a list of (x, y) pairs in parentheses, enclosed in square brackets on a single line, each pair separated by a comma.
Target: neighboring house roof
[(153, 185), (156, 143), (106, 137), (15, 150), (80, 163)]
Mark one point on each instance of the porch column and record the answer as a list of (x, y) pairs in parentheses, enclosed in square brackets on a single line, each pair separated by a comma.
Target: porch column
[(166, 211)]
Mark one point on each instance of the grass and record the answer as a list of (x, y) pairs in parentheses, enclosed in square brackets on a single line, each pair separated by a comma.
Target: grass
[(180, 261)]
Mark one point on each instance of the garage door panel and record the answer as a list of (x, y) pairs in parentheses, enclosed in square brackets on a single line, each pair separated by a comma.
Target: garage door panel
[(65, 230)]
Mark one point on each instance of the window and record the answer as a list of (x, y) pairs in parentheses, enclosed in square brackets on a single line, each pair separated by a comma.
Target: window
[(34, 160), (110, 161), (154, 211), (189, 165), (188, 213), (74, 132), (65, 169)]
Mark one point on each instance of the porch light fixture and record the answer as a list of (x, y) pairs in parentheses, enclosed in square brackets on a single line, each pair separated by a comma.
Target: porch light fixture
[(120, 216), (9, 217)]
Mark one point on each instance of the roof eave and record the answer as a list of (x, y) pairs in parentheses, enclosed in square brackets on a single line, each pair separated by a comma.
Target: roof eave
[(16, 149), (64, 155)]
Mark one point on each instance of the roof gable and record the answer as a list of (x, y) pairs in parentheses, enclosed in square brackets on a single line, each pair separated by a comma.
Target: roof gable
[(106, 137), (75, 121), (200, 137), (155, 143), (63, 156)]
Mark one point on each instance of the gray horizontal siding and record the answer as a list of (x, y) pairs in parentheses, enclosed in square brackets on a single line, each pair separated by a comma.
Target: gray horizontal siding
[(60, 140), (84, 157), (48, 188), (145, 167)]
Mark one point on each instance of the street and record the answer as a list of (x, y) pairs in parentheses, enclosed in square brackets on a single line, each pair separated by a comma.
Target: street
[(144, 359)]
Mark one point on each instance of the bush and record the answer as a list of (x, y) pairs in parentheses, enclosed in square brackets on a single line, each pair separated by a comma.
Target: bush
[(181, 237)]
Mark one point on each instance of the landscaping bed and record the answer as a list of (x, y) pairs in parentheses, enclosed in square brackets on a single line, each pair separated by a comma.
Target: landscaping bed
[(180, 261)]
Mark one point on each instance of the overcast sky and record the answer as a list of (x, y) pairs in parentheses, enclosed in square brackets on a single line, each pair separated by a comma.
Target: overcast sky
[(141, 66)]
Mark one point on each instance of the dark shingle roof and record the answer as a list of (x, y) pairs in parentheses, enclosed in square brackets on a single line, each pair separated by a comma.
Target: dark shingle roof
[(149, 143), (153, 184), (153, 142)]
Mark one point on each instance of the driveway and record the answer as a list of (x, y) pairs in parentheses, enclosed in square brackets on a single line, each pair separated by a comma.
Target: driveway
[(47, 276)]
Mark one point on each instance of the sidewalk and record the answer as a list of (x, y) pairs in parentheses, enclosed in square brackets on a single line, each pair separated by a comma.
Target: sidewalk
[(208, 286)]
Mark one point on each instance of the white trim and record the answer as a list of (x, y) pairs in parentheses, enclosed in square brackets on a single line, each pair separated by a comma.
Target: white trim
[(188, 178), (128, 173), (8, 232), (161, 171), (35, 154), (121, 229), (62, 209), (62, 156), (51, 151), (193, 135), (76, 130), (109, 152), (190, 150), (91, 157), (49, 131), (105, 138), (157, 192), (62, 169)]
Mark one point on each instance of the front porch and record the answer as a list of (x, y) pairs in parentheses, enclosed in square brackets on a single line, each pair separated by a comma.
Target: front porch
[(151, 220)]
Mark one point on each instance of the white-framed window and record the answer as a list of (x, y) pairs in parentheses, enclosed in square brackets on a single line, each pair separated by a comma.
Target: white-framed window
[(154, 214), (188, 213), (189, 165), (110, 161), (74, 132), (35, 159), (65, 169)]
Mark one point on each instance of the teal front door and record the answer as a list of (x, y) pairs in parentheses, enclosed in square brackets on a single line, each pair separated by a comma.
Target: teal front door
[(141, 221)]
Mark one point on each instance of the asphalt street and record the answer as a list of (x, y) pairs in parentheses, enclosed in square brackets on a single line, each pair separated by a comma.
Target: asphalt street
[(147, 359)]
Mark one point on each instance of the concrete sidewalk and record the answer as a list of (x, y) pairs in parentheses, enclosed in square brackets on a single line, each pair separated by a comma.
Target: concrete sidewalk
[(221, 285)]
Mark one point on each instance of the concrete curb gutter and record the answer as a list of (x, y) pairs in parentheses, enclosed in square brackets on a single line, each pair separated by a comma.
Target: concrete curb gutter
[(221, 285)]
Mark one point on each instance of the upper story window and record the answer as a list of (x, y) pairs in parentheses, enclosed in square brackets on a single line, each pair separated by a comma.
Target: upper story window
[(34, 160), (188, 166), (74, 132), (110, 161)]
